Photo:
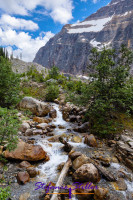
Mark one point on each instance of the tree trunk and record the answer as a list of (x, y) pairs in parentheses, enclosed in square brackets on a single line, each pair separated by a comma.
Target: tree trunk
[(61, 178)]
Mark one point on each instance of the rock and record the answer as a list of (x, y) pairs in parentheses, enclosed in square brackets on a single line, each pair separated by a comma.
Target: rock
[(90, 140), (73, 118), (24, 196), (32, 172), (24, 127), (85, 188), (53, 113), (29, 132), (38, 132), (42, 126), (61, 127), (24, 164), (52, 126), (120, 184), (101, 194), (40, 120), (60, 166), (76, 139), (54, 138), (35, 106), (124, 151), (74, 155), (50, 134), (1, 150), (56, 101), (23, 178), (79, 161), (27, 152), (83, 128), (87, 173)]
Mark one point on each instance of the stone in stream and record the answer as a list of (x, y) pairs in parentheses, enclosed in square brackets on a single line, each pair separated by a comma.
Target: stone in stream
[(32, 172), (77, 139), (79, 161), (87, 173), (23, 177), (42, 126), (40, 120), (90, 140), (53, 113), (73, 155), (85, 188), (101, 194), (27, 152), (120, 184), (83, 128), (29, 132), (24, 127), (37, 107), (38, 132), (24, 164)]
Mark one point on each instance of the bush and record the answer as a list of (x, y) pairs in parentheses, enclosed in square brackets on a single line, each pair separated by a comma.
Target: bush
[(9, 126), (52, 93), (9, 84), (34, 75), (4, 193)]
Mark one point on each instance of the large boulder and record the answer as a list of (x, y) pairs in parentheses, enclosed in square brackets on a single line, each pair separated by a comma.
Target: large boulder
[(79, 161), (87, 173), (77, 139), (35, 106), (90, 140), (26, 152)]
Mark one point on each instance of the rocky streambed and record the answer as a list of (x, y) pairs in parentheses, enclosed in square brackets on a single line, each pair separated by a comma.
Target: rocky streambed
[(40, 156)]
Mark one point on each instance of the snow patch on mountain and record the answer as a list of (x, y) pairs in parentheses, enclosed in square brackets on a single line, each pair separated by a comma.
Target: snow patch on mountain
[(93, 25)]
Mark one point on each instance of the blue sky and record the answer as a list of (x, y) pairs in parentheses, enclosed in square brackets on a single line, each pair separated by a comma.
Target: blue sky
[(26, 25)]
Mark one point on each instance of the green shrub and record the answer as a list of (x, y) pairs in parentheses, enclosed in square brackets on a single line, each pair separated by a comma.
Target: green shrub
[(9, 84), (34, 75), (52, 93), (4, 193), (9, 126)]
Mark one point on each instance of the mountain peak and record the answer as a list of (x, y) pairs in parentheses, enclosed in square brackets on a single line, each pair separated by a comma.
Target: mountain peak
[(110, 26)]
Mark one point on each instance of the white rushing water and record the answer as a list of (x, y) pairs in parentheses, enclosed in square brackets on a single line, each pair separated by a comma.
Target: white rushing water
[(48, 170)]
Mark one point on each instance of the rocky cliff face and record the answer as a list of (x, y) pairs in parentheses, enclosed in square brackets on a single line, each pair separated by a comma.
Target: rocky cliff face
[(110, 26)]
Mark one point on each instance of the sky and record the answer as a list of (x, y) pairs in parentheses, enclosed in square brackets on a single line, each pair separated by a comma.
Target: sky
[(27, 25)]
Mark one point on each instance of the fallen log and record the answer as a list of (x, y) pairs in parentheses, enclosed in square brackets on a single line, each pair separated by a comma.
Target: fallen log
[(61, 178), (105, 173), (67, 146)]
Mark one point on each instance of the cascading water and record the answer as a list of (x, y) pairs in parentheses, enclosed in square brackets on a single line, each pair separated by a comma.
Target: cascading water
[(48, 170)]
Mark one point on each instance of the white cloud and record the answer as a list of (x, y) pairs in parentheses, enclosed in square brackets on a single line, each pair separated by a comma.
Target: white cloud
[(95, 1), (59, 10), (16, 23), (24, 42)]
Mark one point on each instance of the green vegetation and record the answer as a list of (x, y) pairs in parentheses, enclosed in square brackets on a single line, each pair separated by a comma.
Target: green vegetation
[(110, 92), (9, 125), (34, 75), (4, 193), (52, 92), (9, 84)]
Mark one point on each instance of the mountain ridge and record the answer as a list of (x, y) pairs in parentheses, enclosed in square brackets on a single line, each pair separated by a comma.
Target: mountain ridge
[(110, 26)]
